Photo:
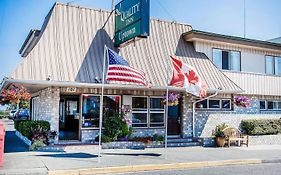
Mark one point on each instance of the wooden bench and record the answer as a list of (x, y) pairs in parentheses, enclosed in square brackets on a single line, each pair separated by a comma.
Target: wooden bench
[(234, 135)]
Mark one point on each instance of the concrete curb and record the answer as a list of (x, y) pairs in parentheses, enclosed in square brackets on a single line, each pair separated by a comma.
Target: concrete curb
[(152, 167)]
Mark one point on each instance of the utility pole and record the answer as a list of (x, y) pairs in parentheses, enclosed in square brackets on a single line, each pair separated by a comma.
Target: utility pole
[(112, 5), (244, 18)]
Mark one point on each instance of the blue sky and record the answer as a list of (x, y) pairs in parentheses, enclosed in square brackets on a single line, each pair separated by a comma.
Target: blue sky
[(263, 22)]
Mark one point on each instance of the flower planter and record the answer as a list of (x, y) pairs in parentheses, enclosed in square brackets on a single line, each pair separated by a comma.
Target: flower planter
[(220, 141)]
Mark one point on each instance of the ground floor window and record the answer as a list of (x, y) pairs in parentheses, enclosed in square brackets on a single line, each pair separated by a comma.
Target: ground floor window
[(270, 105), (35, 108), (139, 111), (216, 104), (147, 112), (91, 109)]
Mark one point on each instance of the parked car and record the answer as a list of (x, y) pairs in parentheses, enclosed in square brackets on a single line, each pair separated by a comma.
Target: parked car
[(12, 114), (22, 114)]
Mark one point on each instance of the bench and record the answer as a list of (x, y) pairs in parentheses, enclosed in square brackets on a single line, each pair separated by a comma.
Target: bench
[(234, 135)]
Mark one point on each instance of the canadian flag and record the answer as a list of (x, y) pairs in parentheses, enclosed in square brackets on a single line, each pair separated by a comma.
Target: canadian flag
[(187, 77)]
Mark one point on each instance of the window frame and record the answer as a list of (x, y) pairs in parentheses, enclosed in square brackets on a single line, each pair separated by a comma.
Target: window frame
[(274, 59), (273, 101), (265, 105), (81, 108), (220, 102), (156, 111), (272, 66), (141, 111), (229, 51)]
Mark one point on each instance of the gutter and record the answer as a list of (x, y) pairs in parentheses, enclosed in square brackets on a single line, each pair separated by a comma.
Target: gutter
[(99, 85)]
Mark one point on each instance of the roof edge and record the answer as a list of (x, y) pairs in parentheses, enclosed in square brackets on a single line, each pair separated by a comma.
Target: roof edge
[(233, 38), (107, 11), (7, 81)]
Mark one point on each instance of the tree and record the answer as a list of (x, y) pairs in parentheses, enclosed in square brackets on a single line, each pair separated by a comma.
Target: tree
[(14, 95)]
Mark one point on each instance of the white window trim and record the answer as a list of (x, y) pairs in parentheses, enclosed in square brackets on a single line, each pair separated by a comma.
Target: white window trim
[(81, 115), (274, 101), (230, 64), (148, 111), (141, 111), (218, 109), (265, 105)]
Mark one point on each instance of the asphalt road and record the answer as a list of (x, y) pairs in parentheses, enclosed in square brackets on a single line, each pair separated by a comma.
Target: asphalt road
[(261, 169)]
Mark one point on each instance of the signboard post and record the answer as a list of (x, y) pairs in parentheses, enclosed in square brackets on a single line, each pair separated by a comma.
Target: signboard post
[(131, 21)]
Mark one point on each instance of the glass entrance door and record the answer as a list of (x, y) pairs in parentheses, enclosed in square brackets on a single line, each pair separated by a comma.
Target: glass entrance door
[(69, 118)]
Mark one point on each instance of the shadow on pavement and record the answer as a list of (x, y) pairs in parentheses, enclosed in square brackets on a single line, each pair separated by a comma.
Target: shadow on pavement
[(14, 144), (134, 154), (70, 155)]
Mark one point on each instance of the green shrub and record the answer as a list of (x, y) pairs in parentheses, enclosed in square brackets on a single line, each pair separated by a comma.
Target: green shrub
[(261, 126), (16, 124), (30, 128), (104, 139), (158, 138), (115, 127)]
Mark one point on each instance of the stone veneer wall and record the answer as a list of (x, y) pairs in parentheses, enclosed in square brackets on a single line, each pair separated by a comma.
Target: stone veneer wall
[(48, 107), (206, 121), (89, 135)]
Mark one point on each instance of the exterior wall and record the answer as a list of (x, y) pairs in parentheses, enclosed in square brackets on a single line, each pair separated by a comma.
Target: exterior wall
[(89, 135), (206, 121), (248, 54), (48, 106), (256, 84), (247, 60)]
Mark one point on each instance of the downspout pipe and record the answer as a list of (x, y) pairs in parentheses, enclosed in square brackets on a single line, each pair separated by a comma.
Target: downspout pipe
[(193, 110)]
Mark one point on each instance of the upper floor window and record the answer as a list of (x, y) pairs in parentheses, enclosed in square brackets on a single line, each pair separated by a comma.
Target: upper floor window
[(227, 60), (273, 65)]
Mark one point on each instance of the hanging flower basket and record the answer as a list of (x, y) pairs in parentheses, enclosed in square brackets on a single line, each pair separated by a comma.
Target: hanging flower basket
[(242, 101), (14, 94), (173, 99)]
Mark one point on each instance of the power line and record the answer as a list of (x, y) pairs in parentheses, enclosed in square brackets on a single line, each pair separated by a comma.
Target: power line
[(244, 18), (167, 11)]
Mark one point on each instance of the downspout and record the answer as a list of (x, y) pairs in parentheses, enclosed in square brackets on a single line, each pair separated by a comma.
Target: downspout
[(193, 110)]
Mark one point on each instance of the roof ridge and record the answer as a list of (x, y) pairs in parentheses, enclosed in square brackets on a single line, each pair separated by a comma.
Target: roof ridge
[(107, 11)]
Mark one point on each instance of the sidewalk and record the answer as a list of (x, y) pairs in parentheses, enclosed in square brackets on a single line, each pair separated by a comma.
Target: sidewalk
[(86, 161)]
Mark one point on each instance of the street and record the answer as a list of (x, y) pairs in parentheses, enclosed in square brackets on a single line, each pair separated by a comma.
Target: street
[(261, 169)]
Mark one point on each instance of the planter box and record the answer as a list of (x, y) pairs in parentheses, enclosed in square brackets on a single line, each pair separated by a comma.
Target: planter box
[(131, 145), (265, 140), (23, 138)]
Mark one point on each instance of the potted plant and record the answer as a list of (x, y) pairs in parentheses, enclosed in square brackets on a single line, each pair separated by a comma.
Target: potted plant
[(52, 136), (219, 135)]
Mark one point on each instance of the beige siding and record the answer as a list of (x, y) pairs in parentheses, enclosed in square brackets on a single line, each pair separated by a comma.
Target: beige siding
[(71, 49), (256, 84), (249, 55), (251, 62)]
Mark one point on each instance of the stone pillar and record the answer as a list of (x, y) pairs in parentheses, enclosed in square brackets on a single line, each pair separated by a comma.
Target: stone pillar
[(187, 117), (49, 107)]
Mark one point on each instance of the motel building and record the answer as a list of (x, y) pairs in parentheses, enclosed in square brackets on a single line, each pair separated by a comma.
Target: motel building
[(62, 67)]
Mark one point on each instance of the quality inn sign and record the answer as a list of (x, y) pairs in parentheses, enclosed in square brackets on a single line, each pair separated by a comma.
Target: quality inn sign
[(131, 20)]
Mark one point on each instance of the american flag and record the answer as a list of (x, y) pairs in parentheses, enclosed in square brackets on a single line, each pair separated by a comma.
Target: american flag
[(119, 71)]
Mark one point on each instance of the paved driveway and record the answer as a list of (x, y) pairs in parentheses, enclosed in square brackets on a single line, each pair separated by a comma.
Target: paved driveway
[(12, 142)]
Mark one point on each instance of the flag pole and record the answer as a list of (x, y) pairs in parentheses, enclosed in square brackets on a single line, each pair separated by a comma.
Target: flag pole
[(166, 106), (101, 99)]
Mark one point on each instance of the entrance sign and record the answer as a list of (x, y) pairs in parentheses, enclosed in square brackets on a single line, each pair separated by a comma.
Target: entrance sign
[(131, 20)]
